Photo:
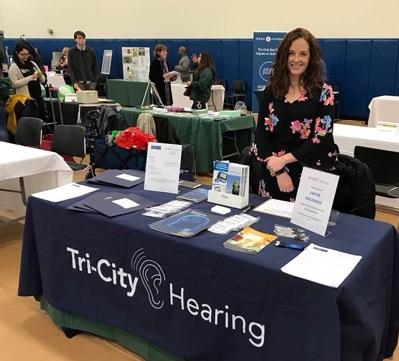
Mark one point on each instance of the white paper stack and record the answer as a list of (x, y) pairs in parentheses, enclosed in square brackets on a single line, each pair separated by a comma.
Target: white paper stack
[(276, 208), (322, 265), (68, 191)]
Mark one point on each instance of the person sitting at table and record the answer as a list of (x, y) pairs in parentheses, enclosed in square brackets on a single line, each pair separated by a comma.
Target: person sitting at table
[(26, 76), (295, 120), (160, 75), (184, 65), (204, 77), (63, 66)]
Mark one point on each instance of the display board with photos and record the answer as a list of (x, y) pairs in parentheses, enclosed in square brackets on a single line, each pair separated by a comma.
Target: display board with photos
[(136, 63)]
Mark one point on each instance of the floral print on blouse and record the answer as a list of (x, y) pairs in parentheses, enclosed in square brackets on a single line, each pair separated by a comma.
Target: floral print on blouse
[(303, 128)]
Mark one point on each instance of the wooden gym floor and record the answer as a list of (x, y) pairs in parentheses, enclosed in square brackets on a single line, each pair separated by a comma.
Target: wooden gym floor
[(27, 333)]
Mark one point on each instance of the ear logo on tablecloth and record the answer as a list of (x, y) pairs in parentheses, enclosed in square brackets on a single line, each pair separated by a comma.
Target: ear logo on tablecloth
[(151, 274)]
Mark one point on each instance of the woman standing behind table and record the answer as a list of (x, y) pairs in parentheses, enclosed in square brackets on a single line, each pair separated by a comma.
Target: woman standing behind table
[(295, 121), (160, 75), (26, 76), (204, 77)]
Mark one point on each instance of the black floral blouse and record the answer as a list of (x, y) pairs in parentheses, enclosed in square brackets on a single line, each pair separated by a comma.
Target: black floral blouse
[(303, 128)]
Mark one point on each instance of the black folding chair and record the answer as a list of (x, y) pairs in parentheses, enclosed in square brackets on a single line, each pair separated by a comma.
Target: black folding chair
[(237, 92), (69, 140), (385, 169), (220, 82), (29, 131)]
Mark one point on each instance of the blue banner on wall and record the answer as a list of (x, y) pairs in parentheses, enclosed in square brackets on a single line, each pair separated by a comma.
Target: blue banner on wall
[(265, 46)]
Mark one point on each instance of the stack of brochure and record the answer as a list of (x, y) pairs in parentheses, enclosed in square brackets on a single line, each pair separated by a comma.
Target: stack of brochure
[(166, 209), (111, 204), (231, 178), (233, 223), (126, 178)]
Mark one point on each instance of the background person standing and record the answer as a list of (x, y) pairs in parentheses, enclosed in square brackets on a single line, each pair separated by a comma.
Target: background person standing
[(204, 77), (82, 64), (160, 75), (26, 75), (184, 64)]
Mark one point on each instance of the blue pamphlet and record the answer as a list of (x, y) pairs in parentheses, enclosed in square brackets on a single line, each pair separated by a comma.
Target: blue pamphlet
[(112, 204), (186, 224), (125, 178)]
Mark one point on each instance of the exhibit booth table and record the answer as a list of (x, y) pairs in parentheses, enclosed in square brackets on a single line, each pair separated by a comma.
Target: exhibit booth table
[(204, 132), (347, 137), (73, 112), (128, 93), (28, 170), (215, 103), (198, 300)]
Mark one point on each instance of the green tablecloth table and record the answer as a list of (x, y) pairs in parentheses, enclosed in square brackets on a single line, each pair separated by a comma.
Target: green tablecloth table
[(205, 134), (133, 343), (126, 92)]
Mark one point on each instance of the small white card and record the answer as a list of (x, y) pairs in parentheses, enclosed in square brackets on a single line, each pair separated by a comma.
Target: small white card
[(125, 203), (220, 210), (163, 167), (314, 200), (128, 177)]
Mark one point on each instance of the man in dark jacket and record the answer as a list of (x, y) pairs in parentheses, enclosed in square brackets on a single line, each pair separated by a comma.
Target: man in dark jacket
[(82, 64)]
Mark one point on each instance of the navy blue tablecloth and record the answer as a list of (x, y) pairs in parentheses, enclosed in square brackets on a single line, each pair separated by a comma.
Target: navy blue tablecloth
[(203, 302)]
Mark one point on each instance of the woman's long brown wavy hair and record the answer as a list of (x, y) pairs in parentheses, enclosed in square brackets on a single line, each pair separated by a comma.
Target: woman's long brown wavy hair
[(313, 77), (206, 62)]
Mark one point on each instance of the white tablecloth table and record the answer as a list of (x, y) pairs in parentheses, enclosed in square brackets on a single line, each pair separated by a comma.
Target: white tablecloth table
[(215, 102), (39, 168), (383, 109), (347, 137)]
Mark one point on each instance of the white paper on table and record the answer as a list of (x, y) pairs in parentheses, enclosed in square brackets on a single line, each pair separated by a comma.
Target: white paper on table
[(163, 167), (128, 177), (314, 200), (67, 191), (276, 208), (125, 203), (322, 265)]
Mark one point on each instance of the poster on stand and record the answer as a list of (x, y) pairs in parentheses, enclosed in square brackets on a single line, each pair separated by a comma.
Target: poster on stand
[(136, 63)]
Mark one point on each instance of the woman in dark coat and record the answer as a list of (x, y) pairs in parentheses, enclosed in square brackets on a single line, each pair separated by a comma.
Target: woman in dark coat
[(204, 77), (160, 75)]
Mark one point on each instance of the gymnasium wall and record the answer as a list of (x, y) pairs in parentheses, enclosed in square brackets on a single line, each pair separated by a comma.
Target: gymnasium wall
[(359, 38), (205, 19)]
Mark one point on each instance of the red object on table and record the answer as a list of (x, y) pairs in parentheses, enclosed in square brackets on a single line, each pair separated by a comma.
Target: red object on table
[(134, 138)]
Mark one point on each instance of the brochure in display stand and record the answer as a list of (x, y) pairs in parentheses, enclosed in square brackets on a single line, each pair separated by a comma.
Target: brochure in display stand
[(230, 185)]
